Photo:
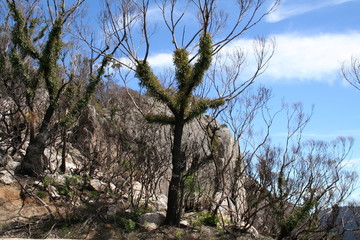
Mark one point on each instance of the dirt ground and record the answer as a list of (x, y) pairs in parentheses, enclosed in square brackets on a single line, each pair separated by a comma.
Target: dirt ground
[(14, 207)]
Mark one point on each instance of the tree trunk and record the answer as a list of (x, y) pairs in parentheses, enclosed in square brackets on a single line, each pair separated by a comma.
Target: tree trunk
[(174, 206), (63, 154), (32, 163)]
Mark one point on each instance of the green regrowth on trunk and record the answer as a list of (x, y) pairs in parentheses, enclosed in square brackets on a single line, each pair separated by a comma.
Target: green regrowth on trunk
[(184, 107), (183, 104)]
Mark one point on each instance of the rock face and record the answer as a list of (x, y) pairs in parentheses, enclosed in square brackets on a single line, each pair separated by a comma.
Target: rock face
[(142, 152)]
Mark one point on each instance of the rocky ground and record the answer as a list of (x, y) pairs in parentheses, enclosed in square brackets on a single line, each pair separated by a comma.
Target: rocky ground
[(25, 216), (99, 195)]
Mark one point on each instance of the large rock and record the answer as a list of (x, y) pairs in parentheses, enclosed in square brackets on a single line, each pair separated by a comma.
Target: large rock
[(159, 202), (74, 160), (152, 221)]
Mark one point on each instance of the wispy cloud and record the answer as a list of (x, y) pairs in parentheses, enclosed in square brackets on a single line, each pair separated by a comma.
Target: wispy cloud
[(321, 136), (353, 163), (297, 7)]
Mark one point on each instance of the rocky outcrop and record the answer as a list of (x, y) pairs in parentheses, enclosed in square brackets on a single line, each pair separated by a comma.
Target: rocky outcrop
[(120, 138)]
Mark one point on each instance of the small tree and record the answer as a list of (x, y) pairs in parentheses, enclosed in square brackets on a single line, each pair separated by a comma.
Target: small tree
[(184, 107), (191, 59), (38, 58)]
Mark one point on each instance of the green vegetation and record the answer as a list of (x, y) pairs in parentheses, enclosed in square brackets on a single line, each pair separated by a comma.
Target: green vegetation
[(138, 147)]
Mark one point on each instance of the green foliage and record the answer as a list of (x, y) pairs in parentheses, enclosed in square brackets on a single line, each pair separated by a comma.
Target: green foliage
[(189, 183), (41, 194), (72, 180), (49, 58), (128, 224), (184, 106), (136, 214), (34, 58), (179, 235), (191, 186), (148, 79), (183, 68), (47, 181), (20, 70), (201, 106), (160, 119), (71, 184), (94, 194), (208, 218), (297, 217), (70, 118), (65, 191), (20, 32), (204, 61), (64, 230)]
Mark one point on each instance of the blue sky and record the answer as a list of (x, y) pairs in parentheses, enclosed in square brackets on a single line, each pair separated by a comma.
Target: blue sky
[(313, 39)]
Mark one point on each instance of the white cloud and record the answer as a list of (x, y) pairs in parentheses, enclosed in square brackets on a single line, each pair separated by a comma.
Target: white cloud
[(297, 7), (305, 58), (154, 15), (161, 60), (316, 58), (297, 57)]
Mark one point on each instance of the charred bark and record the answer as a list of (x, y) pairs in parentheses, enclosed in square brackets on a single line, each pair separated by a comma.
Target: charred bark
[(174, 207), (33, 163)]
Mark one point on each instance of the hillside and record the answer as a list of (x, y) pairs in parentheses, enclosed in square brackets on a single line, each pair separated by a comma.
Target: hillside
[(113, 159)]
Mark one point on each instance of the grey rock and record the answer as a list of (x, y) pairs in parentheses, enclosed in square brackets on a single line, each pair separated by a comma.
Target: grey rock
[(152, 221), (98, 185), (112, 210), (6, 177), (60, 179), (54, 193), (38, 184), (159, 201), (4, 160), (13, 166)]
